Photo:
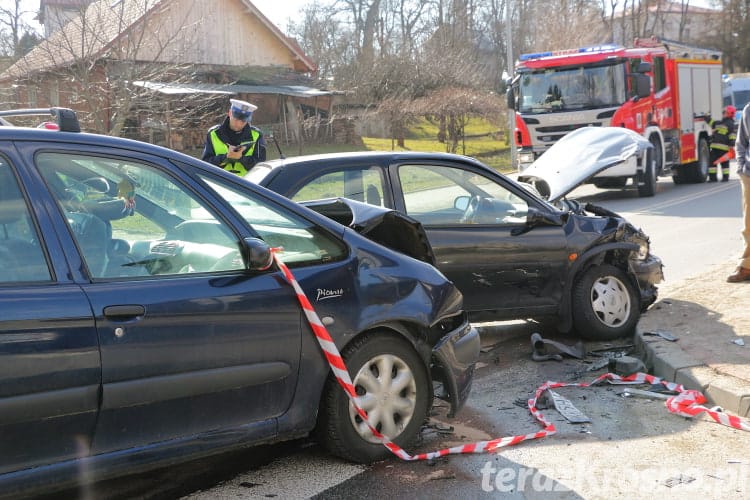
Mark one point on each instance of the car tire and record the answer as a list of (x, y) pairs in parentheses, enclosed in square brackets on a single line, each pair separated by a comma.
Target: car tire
[(397, 403), (605, 304)]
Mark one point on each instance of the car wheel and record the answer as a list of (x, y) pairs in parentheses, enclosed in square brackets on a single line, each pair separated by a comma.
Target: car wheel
[(392, 386), (605, 303)]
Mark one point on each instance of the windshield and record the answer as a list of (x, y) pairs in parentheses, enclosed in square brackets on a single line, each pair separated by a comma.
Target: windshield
[(564, 89), (741, 98)]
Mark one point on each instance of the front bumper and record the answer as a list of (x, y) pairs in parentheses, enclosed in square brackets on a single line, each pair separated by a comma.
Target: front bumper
[(453, 360), (649, 273)]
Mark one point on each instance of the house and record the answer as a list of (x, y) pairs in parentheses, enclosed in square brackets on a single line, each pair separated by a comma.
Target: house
[(163, 70)]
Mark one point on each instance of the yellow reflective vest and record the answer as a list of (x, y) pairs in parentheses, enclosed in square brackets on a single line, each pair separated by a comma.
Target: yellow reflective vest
[(220, 148)]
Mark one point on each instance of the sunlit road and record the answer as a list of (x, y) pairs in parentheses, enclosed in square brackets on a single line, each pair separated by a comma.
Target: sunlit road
[(692, 226)]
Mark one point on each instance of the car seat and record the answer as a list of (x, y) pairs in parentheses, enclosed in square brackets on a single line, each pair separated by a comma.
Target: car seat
[(372, 195), (20, 259)]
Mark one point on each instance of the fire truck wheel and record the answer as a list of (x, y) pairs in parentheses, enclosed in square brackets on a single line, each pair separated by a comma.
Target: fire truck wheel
[(605, 303), (647, 184), (700, 170), (679, 176)]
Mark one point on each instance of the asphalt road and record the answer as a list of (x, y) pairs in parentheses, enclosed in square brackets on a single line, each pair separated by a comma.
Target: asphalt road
[(633, 448)]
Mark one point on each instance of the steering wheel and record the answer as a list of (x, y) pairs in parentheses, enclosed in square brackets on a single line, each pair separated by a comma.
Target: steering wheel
[(231, 261), (472, 209)]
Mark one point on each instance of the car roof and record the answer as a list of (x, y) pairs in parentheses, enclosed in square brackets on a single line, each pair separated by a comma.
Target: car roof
[(372, 155), (40, 134)]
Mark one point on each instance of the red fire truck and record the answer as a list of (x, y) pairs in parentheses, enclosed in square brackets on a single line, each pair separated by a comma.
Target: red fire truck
[(658, 88)]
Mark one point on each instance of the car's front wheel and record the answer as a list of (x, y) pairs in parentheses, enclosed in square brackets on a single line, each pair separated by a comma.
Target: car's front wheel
[(392, 386), (605, 303)]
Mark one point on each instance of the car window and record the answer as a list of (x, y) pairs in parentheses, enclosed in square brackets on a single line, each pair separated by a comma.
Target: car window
[(303, 242), (21, 255), (130, 219), (360, 184), (439, 194)]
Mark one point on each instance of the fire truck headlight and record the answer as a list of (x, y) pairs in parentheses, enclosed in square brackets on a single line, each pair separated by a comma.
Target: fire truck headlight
[(526, 157)]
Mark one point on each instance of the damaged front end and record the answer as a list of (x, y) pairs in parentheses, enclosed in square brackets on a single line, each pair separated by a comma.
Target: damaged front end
[(454, 342), (626, 246)]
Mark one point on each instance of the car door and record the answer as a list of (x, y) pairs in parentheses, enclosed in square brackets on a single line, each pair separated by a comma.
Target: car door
[(473, 223), (191, 342), (49, 354)]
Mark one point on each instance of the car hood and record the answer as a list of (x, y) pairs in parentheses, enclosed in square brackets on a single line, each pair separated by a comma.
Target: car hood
[(580, 155), (382, 225)]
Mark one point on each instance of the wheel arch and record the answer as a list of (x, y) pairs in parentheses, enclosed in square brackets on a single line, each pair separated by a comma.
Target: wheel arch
[(656, 133), (615, 253)]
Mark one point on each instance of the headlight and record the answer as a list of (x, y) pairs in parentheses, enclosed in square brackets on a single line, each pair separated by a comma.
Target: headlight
[(643, 250), (526, 157)]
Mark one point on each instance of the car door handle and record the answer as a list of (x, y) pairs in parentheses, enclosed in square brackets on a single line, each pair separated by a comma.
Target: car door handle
[(124, 311)]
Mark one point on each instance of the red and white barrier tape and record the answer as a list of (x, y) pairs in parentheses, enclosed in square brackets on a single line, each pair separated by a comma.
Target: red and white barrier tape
[(687, 403)]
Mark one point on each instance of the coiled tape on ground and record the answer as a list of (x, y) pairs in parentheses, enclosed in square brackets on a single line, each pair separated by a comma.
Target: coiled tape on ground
[(687, 403)]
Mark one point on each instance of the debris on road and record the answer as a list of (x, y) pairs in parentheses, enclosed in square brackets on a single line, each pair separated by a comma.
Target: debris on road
[(663, 334), (567, 409), (539, 349)]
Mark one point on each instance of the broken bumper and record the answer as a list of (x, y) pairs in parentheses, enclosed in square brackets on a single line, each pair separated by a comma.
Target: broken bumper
[(453, 360), (649, 272)]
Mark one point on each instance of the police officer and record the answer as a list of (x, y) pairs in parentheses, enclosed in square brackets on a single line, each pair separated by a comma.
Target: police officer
[(722, 141), (235, 145)]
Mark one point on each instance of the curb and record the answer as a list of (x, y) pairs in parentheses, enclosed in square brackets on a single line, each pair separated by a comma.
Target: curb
[(668, 361)]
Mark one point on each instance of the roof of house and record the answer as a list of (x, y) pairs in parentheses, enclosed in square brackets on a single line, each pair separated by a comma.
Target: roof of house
[(104, 24)]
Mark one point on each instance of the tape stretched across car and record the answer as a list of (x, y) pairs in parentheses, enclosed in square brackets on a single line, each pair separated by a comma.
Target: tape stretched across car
[(511, 252)]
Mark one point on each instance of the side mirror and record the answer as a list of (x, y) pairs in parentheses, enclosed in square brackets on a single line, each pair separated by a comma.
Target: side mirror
[(643, 67), (642, 85), (510, 98), (536, 217), (257, 254), (461, 203)]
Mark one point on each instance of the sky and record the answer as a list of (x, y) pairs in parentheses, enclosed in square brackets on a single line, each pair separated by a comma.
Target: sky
[(278, 11)]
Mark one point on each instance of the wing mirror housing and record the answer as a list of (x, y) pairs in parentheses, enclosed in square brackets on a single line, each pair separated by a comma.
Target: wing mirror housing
[(257, 254)]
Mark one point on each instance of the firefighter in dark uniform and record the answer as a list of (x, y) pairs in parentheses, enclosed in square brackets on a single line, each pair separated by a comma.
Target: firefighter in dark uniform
[(235, 145), (722, 141)]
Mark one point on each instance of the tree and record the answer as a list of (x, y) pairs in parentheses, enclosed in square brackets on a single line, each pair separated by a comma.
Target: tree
[(17, 37), (95, 63)]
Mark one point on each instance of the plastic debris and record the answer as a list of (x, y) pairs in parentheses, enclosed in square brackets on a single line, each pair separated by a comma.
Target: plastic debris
[(539, 349), (663, 334), (674, 481), (739, 342), (567, 409)]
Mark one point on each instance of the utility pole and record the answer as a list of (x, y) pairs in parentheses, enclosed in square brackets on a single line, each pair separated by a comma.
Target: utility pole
[(511, 111)]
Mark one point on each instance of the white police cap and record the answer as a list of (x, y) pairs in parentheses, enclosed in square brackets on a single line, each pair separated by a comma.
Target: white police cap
[(242, 110)]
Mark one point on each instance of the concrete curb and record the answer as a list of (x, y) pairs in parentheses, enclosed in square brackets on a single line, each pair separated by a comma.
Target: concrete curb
[(668, 361)]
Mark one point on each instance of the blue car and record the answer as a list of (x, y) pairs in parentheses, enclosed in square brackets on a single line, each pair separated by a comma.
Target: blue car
[(143, 319)]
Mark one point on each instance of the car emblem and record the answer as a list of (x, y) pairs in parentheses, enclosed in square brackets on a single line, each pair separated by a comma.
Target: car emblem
[(325, 294)]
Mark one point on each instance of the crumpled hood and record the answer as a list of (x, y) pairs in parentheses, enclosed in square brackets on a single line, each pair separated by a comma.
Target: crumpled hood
[(383, 225), (580, 155)]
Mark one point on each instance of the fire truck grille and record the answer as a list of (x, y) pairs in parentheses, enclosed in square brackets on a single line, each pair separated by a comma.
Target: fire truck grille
[(565, 128)]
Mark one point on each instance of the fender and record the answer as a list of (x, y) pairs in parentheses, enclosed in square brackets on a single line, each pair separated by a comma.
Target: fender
[(597, 255)]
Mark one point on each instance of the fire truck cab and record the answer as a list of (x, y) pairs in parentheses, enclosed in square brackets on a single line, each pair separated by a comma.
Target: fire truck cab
[(658, 88)]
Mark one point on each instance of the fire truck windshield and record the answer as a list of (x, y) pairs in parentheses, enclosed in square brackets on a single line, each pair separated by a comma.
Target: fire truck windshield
[(565, 89)]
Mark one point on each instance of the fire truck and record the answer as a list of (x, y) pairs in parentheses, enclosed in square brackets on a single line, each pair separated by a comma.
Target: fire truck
[(658, 88)]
